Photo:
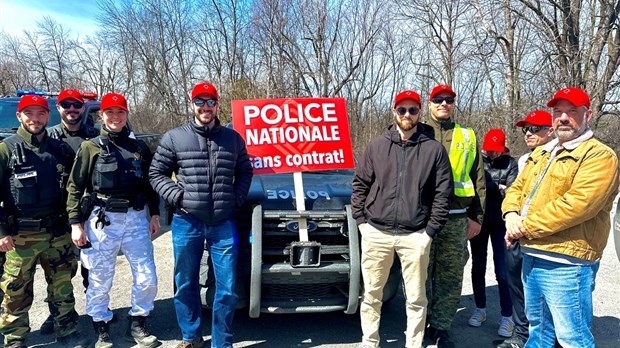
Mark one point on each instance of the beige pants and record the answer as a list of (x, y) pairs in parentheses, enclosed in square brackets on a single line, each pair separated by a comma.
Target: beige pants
[(378, 249)]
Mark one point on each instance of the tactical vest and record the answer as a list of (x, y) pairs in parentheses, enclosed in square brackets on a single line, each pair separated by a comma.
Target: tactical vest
[(119, 172), (37, 181), (85, 133), (462, 156)]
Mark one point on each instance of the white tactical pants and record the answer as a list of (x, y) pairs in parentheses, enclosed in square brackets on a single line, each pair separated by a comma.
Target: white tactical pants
[(129, 233)]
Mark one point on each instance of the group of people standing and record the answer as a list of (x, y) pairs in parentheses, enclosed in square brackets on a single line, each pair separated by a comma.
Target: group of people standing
[(98, 191), (422, 190)]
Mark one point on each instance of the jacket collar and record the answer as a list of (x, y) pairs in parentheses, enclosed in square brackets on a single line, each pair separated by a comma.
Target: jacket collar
[(205, 131), (30, 138), (571, 144)]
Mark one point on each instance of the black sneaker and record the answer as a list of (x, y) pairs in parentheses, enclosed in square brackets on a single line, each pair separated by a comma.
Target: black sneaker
[(512, 342), (443, 340), (73, 340)]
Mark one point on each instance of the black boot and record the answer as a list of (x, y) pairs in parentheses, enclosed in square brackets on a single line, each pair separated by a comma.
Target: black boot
[(47, 328), (102, 330), (137, 332)]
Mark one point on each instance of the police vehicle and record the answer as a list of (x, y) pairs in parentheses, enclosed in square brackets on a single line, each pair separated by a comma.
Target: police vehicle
[(8, 110)]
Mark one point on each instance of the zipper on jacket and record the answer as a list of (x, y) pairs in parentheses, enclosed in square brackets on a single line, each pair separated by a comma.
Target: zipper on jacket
[(211, 176)]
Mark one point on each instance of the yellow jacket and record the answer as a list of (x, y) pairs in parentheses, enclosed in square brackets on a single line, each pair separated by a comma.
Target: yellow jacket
[(569, 212)]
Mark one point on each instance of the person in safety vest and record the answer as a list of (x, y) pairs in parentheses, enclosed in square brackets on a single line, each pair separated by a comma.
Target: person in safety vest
[(33, 226), (109, 193), (449, 250), (558, 208), (72, 131), (401, 193)]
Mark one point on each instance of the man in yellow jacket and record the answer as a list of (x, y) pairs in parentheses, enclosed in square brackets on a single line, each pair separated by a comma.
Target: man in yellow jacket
[(558, 209)]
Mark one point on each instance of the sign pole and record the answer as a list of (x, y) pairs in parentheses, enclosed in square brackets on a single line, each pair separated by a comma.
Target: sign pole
[(301, 206)]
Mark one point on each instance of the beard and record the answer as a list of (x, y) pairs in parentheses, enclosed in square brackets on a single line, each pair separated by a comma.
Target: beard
[(70, 121), (572, 133), (27, 127), (405, 123)]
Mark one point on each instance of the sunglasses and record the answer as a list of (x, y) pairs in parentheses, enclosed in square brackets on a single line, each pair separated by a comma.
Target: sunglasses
[(440, 100), (66, 105), (201, 102), (533, 129), (403, 111)]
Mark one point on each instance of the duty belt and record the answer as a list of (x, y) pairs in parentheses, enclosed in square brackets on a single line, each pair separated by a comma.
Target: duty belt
[(114, 205), (35, 225)]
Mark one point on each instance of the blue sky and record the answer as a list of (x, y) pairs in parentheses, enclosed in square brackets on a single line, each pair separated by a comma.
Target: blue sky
[(78, 16)]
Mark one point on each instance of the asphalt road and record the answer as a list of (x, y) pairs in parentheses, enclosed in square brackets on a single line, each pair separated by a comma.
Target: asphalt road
[(320, 330)]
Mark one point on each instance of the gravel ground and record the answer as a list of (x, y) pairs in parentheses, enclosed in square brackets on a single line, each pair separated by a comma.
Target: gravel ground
[(324, 329)]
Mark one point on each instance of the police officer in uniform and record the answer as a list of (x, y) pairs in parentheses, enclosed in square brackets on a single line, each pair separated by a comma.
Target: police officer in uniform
[(72, 131), (33, 226), (449, 248), (108, 195)]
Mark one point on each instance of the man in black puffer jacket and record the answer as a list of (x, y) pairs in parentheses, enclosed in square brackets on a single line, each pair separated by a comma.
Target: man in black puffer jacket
[(213, 176), (401, 193)]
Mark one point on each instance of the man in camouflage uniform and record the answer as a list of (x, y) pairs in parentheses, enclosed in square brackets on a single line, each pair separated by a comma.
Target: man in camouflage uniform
[(33, 226), (449, 249), (72, 131)]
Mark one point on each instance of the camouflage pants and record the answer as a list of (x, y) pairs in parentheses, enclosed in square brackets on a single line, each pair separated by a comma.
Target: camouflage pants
[(58, 261), (445, 272)]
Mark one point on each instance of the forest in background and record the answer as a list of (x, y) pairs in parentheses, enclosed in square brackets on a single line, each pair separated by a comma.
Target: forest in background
[(504, 58)]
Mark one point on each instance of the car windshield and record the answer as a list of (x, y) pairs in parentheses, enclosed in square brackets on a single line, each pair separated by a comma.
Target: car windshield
[(8, 109)]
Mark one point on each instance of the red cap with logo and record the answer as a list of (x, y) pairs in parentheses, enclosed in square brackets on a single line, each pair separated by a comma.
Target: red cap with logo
[(536, 118), (205, 88), (111, 100), (32, 100), (407, 94), (574, 95), (442, 88), (494, 140), (70, 94)]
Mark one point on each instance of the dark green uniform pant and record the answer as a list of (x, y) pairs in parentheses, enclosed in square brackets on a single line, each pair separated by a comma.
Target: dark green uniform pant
[(445, 272), (58, 262)]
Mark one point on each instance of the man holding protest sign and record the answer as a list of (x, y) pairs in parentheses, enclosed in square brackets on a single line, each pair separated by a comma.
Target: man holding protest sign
[(401, 193)]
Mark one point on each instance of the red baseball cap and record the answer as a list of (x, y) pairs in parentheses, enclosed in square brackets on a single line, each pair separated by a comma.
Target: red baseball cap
[(574, 95), (205, 88), (32, 100), (494, 140), (407, 94), (441, 88), (536, 118), (70, 94), (111, 100)]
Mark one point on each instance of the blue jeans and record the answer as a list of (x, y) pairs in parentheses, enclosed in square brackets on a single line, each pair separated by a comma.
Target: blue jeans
[(558, 302), (188, 237)]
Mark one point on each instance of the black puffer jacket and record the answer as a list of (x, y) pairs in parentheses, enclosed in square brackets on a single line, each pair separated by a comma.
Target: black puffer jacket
[(502, 170), (403, 187), (212, 168)]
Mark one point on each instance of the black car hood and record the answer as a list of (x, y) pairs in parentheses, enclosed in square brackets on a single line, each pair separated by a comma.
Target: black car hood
[(323, 190)]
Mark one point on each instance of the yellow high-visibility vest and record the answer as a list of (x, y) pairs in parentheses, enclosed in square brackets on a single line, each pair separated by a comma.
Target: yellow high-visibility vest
[(462, 156)]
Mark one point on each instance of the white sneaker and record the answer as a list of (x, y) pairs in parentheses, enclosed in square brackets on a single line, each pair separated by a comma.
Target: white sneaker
[(506, 326), (479, 316)]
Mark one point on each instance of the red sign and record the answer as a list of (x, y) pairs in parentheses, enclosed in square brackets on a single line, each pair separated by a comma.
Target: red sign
[(294, 135)]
